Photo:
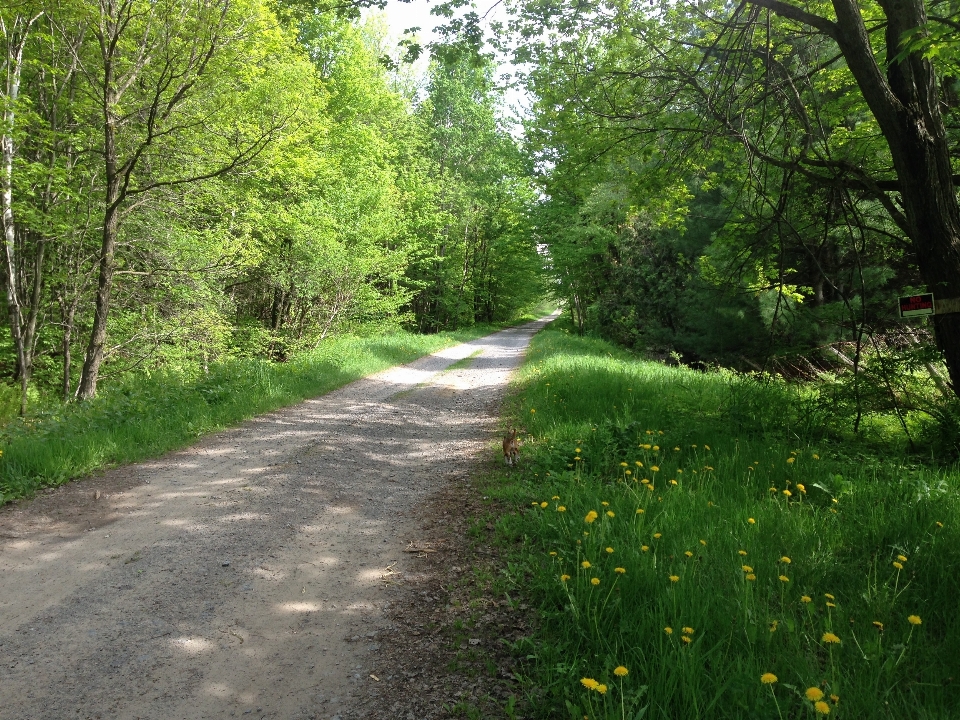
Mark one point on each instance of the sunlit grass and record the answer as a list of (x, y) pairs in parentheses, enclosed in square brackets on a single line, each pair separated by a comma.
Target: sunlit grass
[(700, 531), (144, 417)]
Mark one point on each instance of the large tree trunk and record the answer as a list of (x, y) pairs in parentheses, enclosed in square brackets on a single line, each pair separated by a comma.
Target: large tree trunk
[(907, 108)]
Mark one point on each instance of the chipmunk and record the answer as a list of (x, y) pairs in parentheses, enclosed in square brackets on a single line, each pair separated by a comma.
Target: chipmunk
[(511, 447)]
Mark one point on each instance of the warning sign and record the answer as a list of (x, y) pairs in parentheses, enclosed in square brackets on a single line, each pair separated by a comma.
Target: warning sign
[(917, 305)]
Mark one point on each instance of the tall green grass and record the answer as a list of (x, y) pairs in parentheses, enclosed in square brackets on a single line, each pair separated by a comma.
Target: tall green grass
[(701, 531), (143, 416)]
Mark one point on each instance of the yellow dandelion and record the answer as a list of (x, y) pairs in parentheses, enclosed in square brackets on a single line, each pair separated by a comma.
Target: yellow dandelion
[(676, 449), (746, 568), (638, 463), (656, 447), (577, 450), (621, 671), (878, 625), (605, 503), (786, 560), (830, 605), (805, 599), (813, 694), (686, 639), (610, 550), (791, 460), (914, 619), (589, 683), (801, 488), (585, 564), (645, 481), (829, 637), (784, 579), (561, 508), (821, 707), (828, 596), (687, 631), (644, 548), (706, 447), (751, 521), (668, 630), (835, 699), (768, 678), (623, 464), (591, 516), (650, 487), (611, 513), (654, 468), (619, 570), (688, 554), (897, 565), (640, 511), (564, 578), (742, 553), (657, 536), (555, 497), (544, 504), (595, 581), (602, 689), (751, 577), (902, 558), (939, 524), (787, 493), (674, 578), (628, 472), (532, 411), (553, 554), (703, 542)]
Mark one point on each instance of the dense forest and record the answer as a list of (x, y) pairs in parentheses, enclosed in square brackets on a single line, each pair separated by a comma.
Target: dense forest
[(188, 182), (750, 184)]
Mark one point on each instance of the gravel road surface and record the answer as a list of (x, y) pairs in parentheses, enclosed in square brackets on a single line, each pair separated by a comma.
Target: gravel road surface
[(244, 576)]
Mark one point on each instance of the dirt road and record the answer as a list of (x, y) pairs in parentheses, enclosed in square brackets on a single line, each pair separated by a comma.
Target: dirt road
[(243, 576)]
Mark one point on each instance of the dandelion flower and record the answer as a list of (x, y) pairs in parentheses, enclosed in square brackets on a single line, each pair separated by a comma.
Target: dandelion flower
[(751, 577), (623, 464), (564, 578), (673, 482), (914, 619), (654, 468), (640, 511), (610, 550), (656, 447), (813, 694), (816, 457), (831, 605), (784, 579), (591, 516), (644, 548), (611, 513), (786, 560), (829, 637), (687, 639), (674, 578), (742, 553), (638, 464), (687, 631), (544, 504), (939, 524), (589, 683), (605, 503), (594, 581), (821, 707), (668, 630), (902, 558), (768, 678), (835, 699), (577, 450), (703, 542), (787, 493), (897, 565), (828, 596), (878, 625), (553, 554), (621, 571), (706, 447), (645, 481), (746, 568), (657, 536), (806, 599), (585, 564), (688, 554), (602, 689), (751, 521), (621, 671), (628, 472), (561, 508), (532, 411), (791, 460), (676, 449)]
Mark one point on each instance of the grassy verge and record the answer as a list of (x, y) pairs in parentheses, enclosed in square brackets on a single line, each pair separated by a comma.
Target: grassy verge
[(144, 417), (698, 548)]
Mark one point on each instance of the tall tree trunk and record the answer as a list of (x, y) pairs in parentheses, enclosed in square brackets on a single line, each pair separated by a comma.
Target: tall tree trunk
[(108, 246)]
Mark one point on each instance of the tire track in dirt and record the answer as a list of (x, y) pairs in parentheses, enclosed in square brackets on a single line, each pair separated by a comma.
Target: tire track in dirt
[(243, 576)]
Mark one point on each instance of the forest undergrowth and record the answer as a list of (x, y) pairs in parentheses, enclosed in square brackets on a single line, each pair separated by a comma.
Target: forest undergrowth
[(713, 545), (144, 416)]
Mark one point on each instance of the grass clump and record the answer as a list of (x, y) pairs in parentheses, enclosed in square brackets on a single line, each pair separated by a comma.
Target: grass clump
[(142, 416), (699, 548)]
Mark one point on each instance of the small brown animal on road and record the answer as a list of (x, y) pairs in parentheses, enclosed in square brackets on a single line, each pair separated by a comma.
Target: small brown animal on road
[(511, 447)]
